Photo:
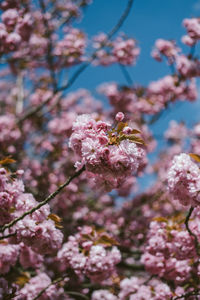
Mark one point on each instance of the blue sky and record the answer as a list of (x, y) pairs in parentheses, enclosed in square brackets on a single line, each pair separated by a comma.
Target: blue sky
[(148, 20)]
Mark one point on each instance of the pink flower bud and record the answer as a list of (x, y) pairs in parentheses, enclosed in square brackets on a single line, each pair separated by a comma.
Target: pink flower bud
[(119, 117)]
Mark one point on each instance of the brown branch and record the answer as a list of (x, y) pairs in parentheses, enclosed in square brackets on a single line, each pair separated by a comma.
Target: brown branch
[(45, 201), (187, 219), (52, 283), (8, 236), (73, 293), (81, 296)]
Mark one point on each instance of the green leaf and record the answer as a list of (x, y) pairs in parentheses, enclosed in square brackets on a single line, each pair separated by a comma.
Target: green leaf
[(135, 131), (106, 240), (121, 126), (7, 160)]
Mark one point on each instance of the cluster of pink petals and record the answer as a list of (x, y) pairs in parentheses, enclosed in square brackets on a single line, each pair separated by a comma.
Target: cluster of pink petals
[(134, 288), (9, 193), (122, 50), (109, 164), (125, 51), (103, 295), (193, 31), (36, 230), (184, 180), (15, 28), (170, 250), (41, 237), (9, 133), (166, 48), (8, 257), (70, 50), (176, 132), (87, 257), (187, 67), (152, 99), (169, 89), (28, 258), (35, 286)]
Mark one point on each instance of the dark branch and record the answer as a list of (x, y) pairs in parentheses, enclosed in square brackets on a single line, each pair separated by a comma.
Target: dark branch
[(187, 219), (45, 201)]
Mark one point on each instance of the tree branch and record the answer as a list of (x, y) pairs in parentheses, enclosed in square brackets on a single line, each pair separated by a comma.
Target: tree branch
[(126, 74), (45, 201), (187, 219), (73, 293), (52, 283)]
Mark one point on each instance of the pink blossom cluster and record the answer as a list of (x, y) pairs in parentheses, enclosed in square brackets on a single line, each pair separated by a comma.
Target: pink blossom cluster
[(125, 51), (36, 230), (10, 253), (9, 133), (134, 288), (103, 295), (165, 48), (170, 89), (152, 99), (184, 180), (8, 256), (187, 67), (109, 154), (121, 50), (90, 253), (193, 31), (15, 28), (70, 50), (170, 250), (9, 193), (176, 132), (35, 286)]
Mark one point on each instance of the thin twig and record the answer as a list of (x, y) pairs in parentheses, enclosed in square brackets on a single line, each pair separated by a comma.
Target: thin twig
[(121, 20), (52, 283), (45, 201), (8, 236), (81, 296), (126, 74), (187, 219), (73, 293)]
